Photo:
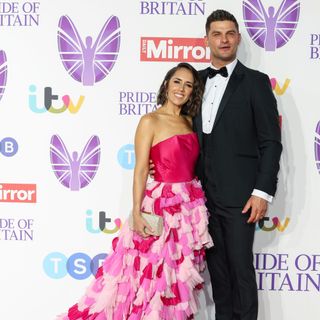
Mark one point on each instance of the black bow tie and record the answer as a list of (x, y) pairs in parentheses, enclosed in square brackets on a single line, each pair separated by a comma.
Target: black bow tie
[(213, 72)]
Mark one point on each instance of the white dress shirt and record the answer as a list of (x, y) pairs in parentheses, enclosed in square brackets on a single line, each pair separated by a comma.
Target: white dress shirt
[(213, 93)]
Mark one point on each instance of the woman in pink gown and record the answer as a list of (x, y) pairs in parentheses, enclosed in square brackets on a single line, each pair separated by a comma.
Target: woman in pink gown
[(158, 277)]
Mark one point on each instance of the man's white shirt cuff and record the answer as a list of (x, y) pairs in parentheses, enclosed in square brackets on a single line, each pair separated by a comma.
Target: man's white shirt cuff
[(262, 195)]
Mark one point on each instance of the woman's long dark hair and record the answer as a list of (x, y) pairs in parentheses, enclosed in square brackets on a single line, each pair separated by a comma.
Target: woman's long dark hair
[(192, 106)]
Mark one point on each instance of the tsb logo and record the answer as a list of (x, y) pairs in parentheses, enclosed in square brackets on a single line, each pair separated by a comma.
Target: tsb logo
[(49, 97), (18, 193), (126, 157), (79, 265), (8, 147), (174, 49)]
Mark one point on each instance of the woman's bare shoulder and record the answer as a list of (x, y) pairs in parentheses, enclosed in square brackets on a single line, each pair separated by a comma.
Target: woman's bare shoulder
[(149, 118), (148, 122), (152, 117)]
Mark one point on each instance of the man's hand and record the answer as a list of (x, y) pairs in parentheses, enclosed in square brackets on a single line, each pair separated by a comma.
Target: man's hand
[(151, 169), (258, 207)]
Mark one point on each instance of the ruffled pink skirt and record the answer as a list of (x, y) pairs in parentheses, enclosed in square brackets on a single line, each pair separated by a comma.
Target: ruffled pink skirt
[(154, 278)]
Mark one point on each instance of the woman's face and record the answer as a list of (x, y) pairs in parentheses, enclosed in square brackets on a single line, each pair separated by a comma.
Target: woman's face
[(180, 87)]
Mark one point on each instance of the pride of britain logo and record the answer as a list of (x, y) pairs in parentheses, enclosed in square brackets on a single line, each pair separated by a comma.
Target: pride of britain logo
[(88, 62), (3, 72), (317, 146), (271, 28), (73, 171)]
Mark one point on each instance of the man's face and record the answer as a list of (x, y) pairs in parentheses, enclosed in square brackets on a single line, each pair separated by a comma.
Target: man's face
[(223, 40)]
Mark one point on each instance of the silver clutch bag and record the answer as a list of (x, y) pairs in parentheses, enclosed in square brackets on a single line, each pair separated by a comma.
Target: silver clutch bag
[(155, 222)]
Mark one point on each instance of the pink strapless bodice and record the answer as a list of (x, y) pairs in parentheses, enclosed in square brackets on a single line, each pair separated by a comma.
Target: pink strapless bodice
[(175, 158)]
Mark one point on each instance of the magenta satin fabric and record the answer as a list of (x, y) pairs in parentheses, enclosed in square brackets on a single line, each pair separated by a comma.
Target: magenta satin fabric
[(156, 277), (175, 158)]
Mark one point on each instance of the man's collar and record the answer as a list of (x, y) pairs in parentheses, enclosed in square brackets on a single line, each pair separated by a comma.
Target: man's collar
[(230, 66)]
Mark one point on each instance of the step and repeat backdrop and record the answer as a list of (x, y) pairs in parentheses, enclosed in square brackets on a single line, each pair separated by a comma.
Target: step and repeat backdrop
[(75, 77)]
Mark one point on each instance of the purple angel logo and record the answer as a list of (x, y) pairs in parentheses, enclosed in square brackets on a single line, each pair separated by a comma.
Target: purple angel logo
[(317, 146), (271, 29), (87, 62), (75, 172), (3, 72)]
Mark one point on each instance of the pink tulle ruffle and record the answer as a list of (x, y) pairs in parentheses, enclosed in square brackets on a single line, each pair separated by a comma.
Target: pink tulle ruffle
[(156, 278)]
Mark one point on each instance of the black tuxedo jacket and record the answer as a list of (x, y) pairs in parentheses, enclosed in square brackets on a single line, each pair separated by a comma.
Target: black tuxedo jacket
[(242, 152)]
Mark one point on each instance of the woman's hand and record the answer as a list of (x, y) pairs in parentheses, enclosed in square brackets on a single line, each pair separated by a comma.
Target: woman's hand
[(141, 226), (151, 169)]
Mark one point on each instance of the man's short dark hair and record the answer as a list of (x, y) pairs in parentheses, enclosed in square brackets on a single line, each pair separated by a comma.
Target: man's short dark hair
[(220, 15)]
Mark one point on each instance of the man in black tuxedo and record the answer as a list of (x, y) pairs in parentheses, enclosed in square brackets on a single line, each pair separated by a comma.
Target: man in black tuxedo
[(239, 133)]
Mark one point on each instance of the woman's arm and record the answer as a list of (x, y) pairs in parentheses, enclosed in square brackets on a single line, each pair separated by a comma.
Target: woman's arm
[(143, 142)]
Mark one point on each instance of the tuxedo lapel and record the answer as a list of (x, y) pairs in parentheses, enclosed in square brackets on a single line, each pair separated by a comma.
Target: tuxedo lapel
[(198, 126), (233, 83), (203, 74)]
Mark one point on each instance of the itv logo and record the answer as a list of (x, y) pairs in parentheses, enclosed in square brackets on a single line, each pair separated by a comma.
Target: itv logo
[(279, 89), (49, 97), (103, 221), (275, 224)]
